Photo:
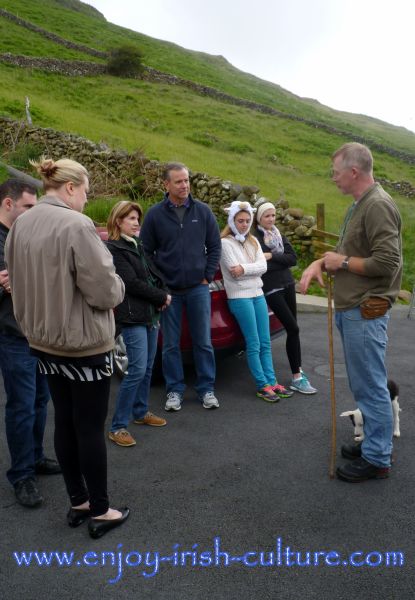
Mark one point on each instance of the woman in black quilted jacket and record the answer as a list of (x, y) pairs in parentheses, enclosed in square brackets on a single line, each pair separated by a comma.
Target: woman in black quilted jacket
[(138, 318), (279, 289)]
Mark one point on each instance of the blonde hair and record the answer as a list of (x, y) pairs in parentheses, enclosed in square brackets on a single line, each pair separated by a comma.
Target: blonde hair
[(119, 211), (54, 174)]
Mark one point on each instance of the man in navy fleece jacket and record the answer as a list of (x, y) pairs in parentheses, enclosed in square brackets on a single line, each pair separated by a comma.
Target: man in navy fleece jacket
[(182, 236)]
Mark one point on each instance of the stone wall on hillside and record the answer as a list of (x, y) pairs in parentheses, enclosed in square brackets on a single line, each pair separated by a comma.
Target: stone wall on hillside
[(113, 172), (109, 169), (73, 68), (51, 36), (151, 74), (84, 68), (154, 75)]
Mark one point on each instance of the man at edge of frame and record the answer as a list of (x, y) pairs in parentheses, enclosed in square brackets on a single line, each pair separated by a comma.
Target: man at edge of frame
[(367, 269)]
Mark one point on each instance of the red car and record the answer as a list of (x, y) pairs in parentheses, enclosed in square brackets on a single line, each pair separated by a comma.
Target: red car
[(226, 335)]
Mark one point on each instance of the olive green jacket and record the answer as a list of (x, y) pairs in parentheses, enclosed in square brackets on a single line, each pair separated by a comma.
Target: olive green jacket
[(373, 232)]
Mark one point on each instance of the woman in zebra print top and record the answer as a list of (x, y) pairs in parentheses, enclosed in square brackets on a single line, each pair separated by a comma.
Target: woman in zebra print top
[(58, 261)]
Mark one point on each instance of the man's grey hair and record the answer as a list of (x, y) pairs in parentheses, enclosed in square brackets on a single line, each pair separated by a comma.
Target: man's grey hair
[(354, 154), (172, 166)]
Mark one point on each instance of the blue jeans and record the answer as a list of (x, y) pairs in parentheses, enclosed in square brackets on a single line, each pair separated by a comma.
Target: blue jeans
[(27, 395), (364, 344), (132, 400), (197, 303), (253, 320)]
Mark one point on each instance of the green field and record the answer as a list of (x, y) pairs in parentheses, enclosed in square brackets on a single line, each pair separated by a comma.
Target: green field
[(281, 156)]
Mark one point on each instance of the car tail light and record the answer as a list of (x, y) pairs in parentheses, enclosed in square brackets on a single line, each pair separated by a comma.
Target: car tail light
[(102, 232)]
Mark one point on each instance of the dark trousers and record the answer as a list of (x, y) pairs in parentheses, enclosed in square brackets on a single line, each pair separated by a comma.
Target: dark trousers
[(80, 413), (26, 407), (284, 306)]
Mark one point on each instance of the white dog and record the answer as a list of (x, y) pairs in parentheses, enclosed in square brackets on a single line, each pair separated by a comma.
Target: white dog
[(357, 417)]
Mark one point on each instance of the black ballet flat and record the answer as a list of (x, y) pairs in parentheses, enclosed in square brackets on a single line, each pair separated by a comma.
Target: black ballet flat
[(77, 516), (99, 527)]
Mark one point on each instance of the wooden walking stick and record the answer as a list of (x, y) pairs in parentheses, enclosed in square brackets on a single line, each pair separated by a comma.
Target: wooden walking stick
[(332, 388)]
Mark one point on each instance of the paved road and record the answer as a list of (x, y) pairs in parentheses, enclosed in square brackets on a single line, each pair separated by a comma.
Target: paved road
[(248, 474)]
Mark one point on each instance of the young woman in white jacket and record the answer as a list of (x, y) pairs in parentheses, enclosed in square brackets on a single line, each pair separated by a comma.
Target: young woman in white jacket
[(242, 264)]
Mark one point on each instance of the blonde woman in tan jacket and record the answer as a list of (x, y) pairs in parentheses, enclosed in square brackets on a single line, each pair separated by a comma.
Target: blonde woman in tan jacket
[(64, 288)]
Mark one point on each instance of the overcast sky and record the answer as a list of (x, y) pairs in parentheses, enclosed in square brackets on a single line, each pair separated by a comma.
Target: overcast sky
[(354, 55)]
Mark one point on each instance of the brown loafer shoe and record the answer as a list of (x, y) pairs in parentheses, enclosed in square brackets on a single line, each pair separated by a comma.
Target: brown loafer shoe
[(122, 438), (150, 419)]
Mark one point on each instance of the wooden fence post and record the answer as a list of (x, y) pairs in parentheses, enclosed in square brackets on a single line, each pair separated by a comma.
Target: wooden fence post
[(322, 240), (321, 221)]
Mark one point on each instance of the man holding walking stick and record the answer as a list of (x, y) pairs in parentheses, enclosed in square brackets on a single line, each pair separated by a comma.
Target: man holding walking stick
[(367, 265)]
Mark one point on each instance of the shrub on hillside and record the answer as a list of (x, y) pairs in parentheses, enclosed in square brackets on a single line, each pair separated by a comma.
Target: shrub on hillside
[(125, 61)]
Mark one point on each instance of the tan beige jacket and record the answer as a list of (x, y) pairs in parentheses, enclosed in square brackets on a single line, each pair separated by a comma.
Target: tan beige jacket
[(63, 281)]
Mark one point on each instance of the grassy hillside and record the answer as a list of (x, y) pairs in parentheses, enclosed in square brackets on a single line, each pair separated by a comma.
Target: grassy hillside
[(196, 66), (167, 122)]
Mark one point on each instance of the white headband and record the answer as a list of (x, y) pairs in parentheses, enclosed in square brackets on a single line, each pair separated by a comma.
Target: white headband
[(232, 211), (262, 208)]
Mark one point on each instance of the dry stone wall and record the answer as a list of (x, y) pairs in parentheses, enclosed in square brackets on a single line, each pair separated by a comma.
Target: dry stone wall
[(151, 74), (114, 172), (73, 68), (85, 68), (51, 36), (109, 169)]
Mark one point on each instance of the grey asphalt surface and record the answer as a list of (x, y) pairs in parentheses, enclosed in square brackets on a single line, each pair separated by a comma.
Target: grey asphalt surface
[(248, 474)]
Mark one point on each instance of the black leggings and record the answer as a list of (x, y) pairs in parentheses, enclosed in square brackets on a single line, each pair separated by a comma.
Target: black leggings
[(284, 306), (80, 413)]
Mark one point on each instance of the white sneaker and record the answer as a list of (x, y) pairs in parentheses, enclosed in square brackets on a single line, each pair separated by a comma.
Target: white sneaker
[(209, 400), (174, 401)]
